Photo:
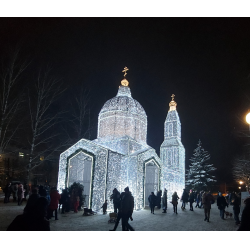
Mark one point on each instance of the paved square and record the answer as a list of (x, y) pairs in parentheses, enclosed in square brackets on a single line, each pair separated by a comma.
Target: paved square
[(143, 220)]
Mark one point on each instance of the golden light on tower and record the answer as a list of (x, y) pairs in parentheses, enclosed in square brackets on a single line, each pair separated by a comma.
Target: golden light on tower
[(125, 82), (172, 104)]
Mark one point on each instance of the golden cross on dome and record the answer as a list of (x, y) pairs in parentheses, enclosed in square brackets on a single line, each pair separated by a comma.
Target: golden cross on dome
[(125, 71), (172, 96)]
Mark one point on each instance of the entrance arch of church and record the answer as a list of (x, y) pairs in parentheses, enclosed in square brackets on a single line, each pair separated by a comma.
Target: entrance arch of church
[(151, 179), (80, 169)]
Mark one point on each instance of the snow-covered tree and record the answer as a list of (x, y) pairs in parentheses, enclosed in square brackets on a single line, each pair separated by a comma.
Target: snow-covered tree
[(200, 176), (241, 171)]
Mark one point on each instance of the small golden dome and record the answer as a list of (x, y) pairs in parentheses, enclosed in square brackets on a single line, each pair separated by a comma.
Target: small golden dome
[(172, 104), (124, 82)]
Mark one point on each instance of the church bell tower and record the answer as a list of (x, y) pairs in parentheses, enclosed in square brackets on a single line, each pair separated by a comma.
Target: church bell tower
[(172, 153)]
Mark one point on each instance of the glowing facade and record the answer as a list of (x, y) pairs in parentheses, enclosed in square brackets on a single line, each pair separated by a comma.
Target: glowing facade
[(119, 157), (172, 153)]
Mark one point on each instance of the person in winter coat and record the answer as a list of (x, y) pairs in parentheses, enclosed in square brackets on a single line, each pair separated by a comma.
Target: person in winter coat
[(191, 200), (165, 200), (207, 200), (31, 201), (127, 207), (54, 201), (116, 199), (32, 220), (201, 195), (15, 188), (198, 198), (152, 202), (20, 194), (7, 192), (245, 217), (104, 207), (222, 204), (236, 207), (175, 199), (65, 201), (158, 199), (184, 198)]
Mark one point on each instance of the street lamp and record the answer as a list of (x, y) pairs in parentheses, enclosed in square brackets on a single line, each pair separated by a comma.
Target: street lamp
[(239, 187), (248, 119), (241, 182)]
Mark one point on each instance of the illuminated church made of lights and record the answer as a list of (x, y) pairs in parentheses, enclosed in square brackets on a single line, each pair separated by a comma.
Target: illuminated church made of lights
[(120, 156)]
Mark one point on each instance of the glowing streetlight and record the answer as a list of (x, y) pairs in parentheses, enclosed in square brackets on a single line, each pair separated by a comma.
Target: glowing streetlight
[(241, 182), (239, 187)]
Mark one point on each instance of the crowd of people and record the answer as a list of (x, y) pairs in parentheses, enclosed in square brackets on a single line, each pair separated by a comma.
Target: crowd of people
[(204, 200), (18, 191), (43, 204)]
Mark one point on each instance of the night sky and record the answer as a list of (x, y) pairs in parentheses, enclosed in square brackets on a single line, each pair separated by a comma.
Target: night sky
[(205, 62)]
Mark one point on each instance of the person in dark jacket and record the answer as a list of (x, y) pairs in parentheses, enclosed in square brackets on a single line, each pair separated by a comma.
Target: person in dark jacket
[(65, 200), (198, 198), (152, 202), (116, 199), (184, 198), (175, 199), (127, 207), (222, 204), (31, 201), (104, 207), (7, 192), (207, 200), (245, 217), (236, 207), (32, 220), (191, 200), (158, 199), (15, 188)]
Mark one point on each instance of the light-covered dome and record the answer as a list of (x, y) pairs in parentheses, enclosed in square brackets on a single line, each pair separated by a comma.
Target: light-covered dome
[(122, 115)]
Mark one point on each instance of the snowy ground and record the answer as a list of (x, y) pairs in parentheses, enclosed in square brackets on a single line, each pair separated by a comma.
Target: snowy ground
[(143, 220)]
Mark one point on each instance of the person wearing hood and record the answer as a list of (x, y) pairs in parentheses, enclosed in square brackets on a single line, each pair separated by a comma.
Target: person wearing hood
[(116, 197)]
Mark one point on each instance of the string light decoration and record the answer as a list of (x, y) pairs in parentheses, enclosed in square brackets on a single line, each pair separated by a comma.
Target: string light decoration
[(172, 153), (120, 156), (122, 115)]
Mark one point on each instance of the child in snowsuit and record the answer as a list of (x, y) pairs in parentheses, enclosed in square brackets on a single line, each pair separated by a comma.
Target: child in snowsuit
[(104, 206)]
